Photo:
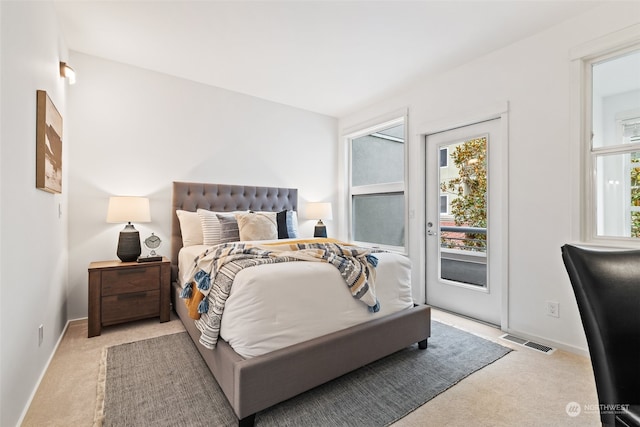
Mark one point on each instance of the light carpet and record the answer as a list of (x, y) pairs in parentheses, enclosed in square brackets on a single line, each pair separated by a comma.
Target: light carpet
[(163, 381)]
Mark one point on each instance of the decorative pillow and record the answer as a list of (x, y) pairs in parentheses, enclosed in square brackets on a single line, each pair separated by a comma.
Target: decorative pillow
[(190, 228), (210, 227), (287, 224), (292, 224), (257, 226), (228, 228)]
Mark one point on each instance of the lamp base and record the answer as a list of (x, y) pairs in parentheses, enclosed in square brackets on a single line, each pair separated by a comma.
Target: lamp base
[(129, 248), (320, 230)]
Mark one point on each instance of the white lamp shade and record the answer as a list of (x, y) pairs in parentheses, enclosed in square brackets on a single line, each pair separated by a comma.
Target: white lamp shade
[(128, 209), (319, 210)]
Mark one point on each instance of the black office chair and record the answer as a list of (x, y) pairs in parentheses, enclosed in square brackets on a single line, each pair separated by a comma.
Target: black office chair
[(607, 289)]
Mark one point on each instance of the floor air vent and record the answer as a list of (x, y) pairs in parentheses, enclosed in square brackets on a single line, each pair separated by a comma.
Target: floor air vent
[(530, 344)]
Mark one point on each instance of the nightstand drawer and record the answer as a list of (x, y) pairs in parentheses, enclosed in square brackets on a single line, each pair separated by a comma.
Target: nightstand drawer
[(126, 280), (129, 306)]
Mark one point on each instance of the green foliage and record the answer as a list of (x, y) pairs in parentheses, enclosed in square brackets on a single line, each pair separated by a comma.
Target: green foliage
[(635, 224), (635, 199), (469, 207)]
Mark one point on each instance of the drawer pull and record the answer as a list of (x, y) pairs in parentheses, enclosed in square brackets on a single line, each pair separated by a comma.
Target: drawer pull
[(125, 272), (132, 296)]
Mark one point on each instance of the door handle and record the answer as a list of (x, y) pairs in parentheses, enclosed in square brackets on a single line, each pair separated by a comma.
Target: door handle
[(430, 231)]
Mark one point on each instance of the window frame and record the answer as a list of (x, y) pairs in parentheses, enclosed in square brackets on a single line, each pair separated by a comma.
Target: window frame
[(370, 128), (584, 57)]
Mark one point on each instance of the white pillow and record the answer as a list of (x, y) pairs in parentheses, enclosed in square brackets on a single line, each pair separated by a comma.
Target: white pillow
[(210, 227), (190, 228), (257, 226)]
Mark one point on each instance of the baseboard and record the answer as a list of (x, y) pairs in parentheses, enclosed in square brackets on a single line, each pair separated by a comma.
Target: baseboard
[(44, 371)]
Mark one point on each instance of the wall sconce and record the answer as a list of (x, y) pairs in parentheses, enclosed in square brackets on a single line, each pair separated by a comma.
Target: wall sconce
[(67, 72), (319, 211), (127, 209)]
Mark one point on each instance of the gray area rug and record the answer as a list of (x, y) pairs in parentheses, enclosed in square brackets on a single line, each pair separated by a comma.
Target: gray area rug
[(164, 382)]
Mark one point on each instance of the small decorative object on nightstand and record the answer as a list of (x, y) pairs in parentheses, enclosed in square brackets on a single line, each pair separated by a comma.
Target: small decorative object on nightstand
[(124, 291), (152, 243)]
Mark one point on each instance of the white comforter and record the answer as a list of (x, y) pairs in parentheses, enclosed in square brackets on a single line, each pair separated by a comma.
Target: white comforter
[(276, 305)]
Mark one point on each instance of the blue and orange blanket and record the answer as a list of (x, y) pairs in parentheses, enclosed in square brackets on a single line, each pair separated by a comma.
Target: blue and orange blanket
[(211, 278)]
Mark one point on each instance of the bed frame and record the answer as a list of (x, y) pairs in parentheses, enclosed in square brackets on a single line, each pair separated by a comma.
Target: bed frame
[(254, 384)]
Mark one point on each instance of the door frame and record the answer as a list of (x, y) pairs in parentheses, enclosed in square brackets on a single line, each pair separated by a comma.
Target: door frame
[(500, 111)]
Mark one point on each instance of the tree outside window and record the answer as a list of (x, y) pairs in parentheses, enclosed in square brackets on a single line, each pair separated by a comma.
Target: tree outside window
[(469, 193)]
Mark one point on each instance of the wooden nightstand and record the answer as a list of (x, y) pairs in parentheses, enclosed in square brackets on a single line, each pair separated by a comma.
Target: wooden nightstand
[(124, 291)]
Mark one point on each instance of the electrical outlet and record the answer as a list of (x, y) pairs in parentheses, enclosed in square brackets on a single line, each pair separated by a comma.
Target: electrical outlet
[(553, 309), (40, 335)]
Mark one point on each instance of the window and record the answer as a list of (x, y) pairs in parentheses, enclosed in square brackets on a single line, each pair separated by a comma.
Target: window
[(613, 159), (444, 204), (444, 157), (376, 191)]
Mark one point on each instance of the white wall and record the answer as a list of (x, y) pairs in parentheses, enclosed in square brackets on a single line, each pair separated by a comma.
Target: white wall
[(137, 131), (33, 267), (534, 77)]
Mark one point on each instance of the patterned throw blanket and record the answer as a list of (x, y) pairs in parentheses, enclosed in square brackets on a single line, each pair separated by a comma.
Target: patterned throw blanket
[(214, 270)]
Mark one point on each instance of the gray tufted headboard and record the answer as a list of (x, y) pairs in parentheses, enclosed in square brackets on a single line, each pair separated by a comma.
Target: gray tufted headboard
[(190, 196)]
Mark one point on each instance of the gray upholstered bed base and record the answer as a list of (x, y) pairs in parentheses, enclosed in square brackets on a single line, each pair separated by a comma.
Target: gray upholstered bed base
[(252, 385)]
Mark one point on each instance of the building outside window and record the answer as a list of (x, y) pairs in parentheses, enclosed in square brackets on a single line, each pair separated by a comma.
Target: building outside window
[(444, 204), (444, 157)]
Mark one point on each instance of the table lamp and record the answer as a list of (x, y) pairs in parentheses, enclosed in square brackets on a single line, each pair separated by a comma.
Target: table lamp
[(128, 209), (319, 211)]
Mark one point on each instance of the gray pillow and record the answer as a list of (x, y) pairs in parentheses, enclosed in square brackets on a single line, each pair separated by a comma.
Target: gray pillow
[(228, 228)]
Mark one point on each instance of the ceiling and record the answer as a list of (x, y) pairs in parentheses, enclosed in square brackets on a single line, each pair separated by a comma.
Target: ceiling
[(330, 57)]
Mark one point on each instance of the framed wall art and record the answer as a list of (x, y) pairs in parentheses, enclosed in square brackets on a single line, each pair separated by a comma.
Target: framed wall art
[(48, 145)]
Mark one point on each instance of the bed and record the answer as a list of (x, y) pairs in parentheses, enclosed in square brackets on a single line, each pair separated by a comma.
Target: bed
[(252, 384)]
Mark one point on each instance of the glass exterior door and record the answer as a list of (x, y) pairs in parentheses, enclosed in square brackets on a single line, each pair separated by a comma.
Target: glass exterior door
[(462, 214)]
